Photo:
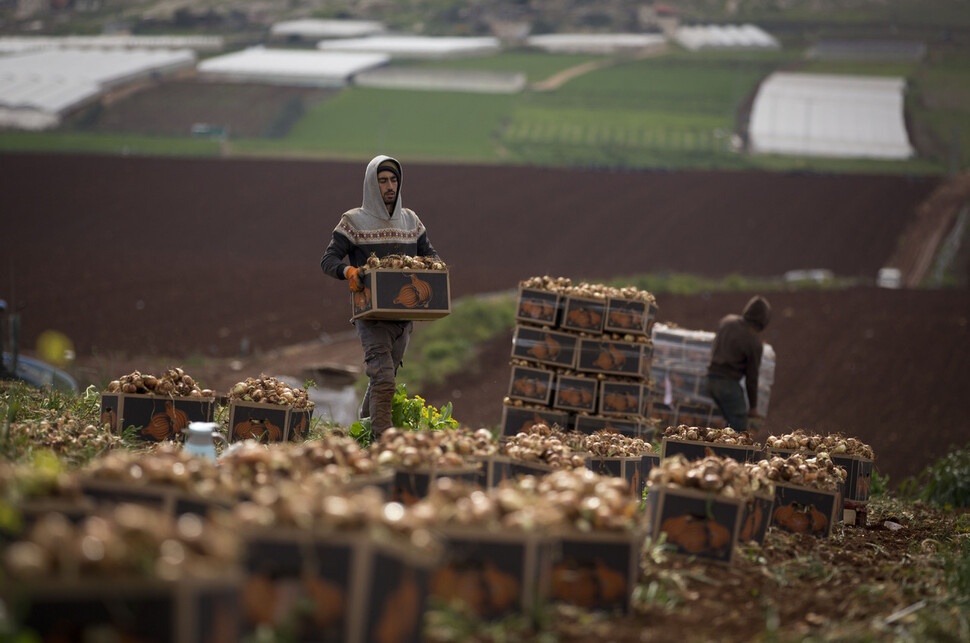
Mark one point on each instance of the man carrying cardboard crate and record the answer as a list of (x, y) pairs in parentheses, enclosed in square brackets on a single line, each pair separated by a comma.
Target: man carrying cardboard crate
[(736, 353), (382, 226)]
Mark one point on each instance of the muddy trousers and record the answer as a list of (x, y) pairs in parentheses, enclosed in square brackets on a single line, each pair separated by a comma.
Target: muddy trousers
[(384, 344)]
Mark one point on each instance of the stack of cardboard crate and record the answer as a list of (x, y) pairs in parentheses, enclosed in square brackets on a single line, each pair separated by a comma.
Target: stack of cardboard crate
[(581, 358), (679, 369)]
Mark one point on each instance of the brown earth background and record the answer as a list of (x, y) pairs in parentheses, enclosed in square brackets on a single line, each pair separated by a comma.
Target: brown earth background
[(174, 261)]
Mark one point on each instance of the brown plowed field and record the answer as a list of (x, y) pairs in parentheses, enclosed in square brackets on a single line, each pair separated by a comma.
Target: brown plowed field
[(186, 258)]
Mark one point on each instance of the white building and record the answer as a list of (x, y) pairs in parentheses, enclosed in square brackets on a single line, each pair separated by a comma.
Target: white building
[(828, 115), (37, 89), (290, 67)]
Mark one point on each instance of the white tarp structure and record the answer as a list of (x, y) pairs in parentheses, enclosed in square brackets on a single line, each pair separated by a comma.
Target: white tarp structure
[(20, 44), (313, 29), (828, 115), (290, 67), (38, 88), (595, 43), (416, 46), (724, 37)]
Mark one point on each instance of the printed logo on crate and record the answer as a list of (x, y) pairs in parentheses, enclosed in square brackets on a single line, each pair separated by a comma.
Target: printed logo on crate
[(517, 419), (585, 315), (545, 347), (537, 306), (620, 398), (575, 393), (157, 417), (626, 316), (111, 411), (531, 384), (493, 574), (803, 510), (696, 523), (755, 518), (254, 421), (596, 571), (606, 356), (403, 294), (299, 424), (396, 599)]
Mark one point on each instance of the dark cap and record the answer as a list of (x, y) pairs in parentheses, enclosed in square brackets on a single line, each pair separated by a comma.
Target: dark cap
[(390, 166)]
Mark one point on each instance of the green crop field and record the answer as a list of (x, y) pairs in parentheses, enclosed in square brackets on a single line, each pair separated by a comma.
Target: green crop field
[(675, 110)]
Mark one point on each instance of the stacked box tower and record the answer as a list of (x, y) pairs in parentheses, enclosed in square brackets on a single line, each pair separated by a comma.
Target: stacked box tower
[(581, 358)]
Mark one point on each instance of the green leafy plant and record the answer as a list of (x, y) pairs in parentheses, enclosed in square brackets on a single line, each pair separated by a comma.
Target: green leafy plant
[(946, 482), (409, 413)]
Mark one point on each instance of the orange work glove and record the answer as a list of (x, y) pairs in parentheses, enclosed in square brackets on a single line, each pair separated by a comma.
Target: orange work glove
[(355, 279)]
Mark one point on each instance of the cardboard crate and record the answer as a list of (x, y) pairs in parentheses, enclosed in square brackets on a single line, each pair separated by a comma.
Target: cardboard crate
[(647, 462), (544, 347), (411, 485), (647, 397), (583, 314), (166, 498), (536, 468), (600, 355), (858, 475), (494, 573), (626, 467), (495, 469), (620, 398), (135, 609), (597, 570), (267, 422), (403, 294), (631, 426), (158, 417), (632, 316), (696, 450), (805, 510), (358, 587), (705, 525), (531, 384), (538, 307), (576, 393), (756, 518), (519, 418)]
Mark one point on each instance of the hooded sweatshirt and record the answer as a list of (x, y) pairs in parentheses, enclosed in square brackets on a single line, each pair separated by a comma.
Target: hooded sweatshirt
[(370, 229), (737, 349)]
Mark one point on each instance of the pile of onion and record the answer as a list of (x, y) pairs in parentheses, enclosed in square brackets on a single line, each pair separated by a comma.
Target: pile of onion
[(173, 382)]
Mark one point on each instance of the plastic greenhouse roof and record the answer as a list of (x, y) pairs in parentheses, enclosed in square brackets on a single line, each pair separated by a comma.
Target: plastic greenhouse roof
[(285, 66), (57, 79), (828, 115), (415, 46)]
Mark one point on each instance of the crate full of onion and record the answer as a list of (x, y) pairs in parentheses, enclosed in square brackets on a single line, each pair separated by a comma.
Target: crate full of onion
[(403, 287), (158, 407), (269, 410)]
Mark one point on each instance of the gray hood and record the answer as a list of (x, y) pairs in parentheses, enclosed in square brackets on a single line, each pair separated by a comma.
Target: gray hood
[(373, 203)]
